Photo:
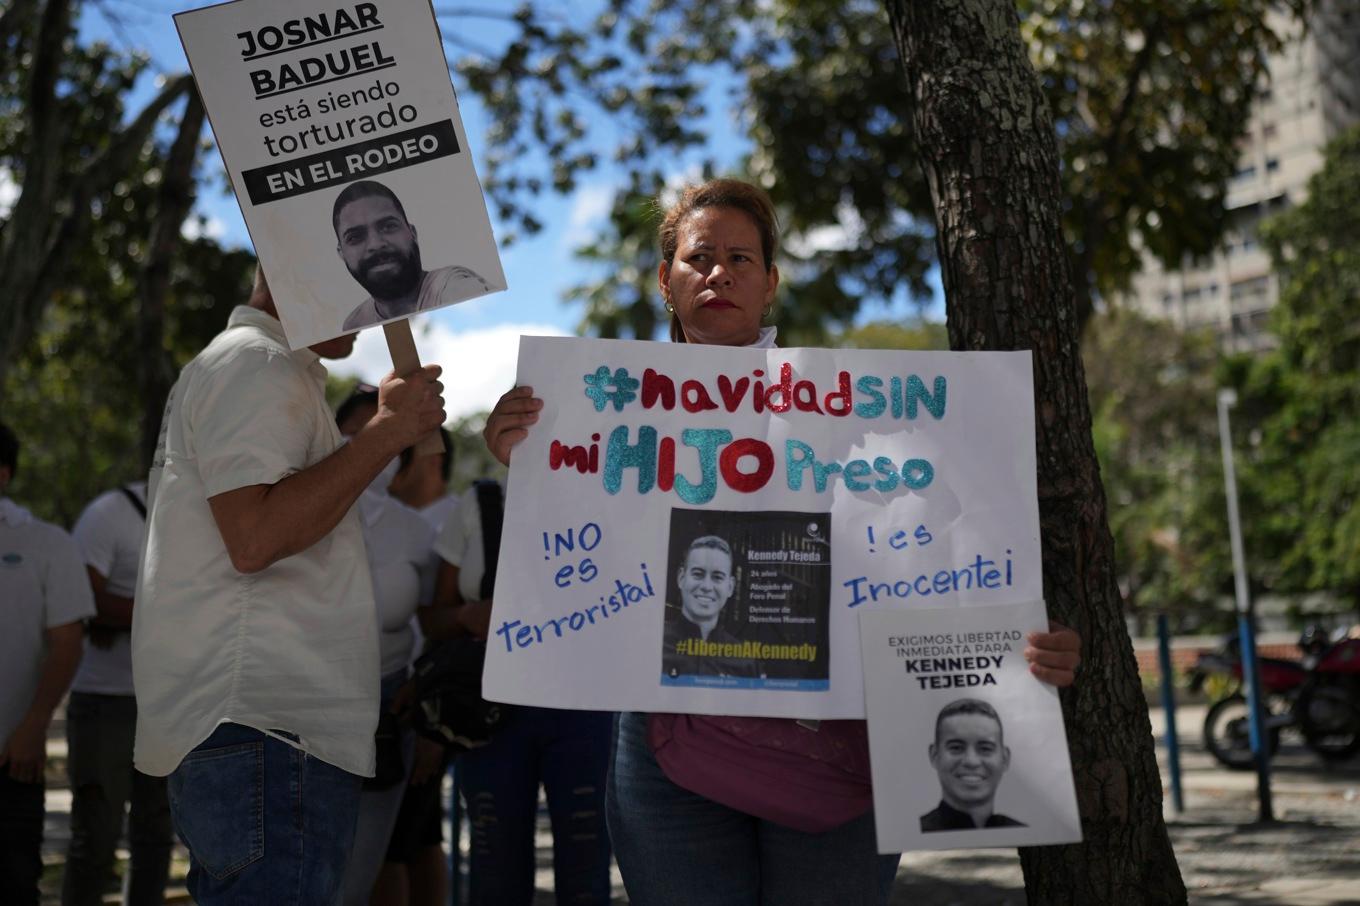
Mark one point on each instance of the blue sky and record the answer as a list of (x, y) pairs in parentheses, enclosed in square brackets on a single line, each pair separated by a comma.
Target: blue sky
[(478, 339)]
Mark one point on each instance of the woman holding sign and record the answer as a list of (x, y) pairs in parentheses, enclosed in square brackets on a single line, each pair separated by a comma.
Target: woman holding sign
[(723, 811)]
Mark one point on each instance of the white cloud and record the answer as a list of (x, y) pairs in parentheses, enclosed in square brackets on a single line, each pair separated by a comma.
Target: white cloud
[(844, 234), (677, 180), (589, 206), (203, 227), (9, 192), (479, 365)]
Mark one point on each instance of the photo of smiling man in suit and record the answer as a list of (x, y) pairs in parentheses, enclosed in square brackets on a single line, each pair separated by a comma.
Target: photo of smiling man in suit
[(970, 756)]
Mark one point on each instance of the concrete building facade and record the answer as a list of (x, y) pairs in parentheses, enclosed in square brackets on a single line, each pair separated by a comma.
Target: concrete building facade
[(1314, 94)]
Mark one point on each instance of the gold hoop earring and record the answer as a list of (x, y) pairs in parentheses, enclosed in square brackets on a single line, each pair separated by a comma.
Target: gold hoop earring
[(765, 315)]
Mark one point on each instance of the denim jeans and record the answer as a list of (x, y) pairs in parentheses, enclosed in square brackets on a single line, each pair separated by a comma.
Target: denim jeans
[(264, 821), (21, 833), (568, 751), (99, 735), (676, 848)]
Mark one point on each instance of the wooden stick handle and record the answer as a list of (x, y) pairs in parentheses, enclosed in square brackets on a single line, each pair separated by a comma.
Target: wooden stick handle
[(405, 359)]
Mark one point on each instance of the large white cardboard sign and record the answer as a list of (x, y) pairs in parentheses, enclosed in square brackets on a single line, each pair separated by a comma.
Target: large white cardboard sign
[(966, 746), (696, 528), (340, 132)]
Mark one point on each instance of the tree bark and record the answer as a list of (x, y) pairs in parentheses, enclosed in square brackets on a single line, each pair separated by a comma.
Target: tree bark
[(990, 156), (174, 199)]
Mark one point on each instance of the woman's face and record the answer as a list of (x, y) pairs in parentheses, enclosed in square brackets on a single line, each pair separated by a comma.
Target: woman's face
[(718, 283)]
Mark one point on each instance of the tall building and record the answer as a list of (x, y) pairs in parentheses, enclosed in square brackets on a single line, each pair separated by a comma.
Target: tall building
[(1314, 94)]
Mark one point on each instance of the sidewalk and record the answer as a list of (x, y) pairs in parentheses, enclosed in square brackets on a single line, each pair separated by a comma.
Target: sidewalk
[(1309, 857)]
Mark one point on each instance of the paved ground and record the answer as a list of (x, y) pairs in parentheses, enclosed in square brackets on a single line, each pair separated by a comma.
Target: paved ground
[(1309, 857)]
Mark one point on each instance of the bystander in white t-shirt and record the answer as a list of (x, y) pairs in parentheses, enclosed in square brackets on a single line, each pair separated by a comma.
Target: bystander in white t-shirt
[(42, 585), (109, 534), (293, 647), (398, 542), (435, 514), (440, 511), (460, 544)]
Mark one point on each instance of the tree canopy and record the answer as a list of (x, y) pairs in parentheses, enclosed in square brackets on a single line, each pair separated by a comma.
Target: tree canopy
[(1149, 99), (1301, 403)]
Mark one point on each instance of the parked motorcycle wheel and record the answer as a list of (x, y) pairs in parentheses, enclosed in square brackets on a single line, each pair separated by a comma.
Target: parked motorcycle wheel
[(1330, 721), (1227, 733)]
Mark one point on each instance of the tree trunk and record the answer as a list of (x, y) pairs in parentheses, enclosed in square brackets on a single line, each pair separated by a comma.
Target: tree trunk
[(989, 153), (174, 199)]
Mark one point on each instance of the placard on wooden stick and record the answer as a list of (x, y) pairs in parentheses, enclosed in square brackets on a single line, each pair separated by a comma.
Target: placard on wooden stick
[(341, 135)]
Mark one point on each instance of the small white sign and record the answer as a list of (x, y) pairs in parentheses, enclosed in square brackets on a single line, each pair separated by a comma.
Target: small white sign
[(967, 747), (695, 529), (341, 135)]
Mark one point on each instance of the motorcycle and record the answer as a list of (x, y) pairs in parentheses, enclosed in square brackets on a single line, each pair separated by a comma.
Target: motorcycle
[(1319, 696)]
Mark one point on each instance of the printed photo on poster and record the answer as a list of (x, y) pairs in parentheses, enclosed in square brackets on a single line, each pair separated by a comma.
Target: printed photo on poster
[(748, 600), (381, 249), (967, 747), (342, 139), (970, 755)]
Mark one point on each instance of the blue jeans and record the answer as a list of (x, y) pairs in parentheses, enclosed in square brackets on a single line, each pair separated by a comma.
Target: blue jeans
[(99, 737), (568, 752), (676, 848), (264, 822)]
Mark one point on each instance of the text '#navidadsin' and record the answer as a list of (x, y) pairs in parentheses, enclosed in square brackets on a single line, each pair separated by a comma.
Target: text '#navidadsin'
[(746, 464)]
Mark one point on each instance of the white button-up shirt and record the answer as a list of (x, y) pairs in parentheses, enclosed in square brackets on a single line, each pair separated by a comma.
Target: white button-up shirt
[(292, 648)]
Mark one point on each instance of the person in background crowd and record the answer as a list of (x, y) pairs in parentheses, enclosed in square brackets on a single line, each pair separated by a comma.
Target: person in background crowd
[(565, 751), (683, 832), (417, 868), (398, 542), (101, 717), (254, 640), (44, 599), (422, 483)]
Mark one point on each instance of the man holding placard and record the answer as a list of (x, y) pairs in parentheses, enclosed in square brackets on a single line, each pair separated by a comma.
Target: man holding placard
[(340, 133), (254, 649)]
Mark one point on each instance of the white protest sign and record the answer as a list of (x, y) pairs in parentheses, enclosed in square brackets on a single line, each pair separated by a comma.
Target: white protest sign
[(696, 528), (966, 746), (341, 135)]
